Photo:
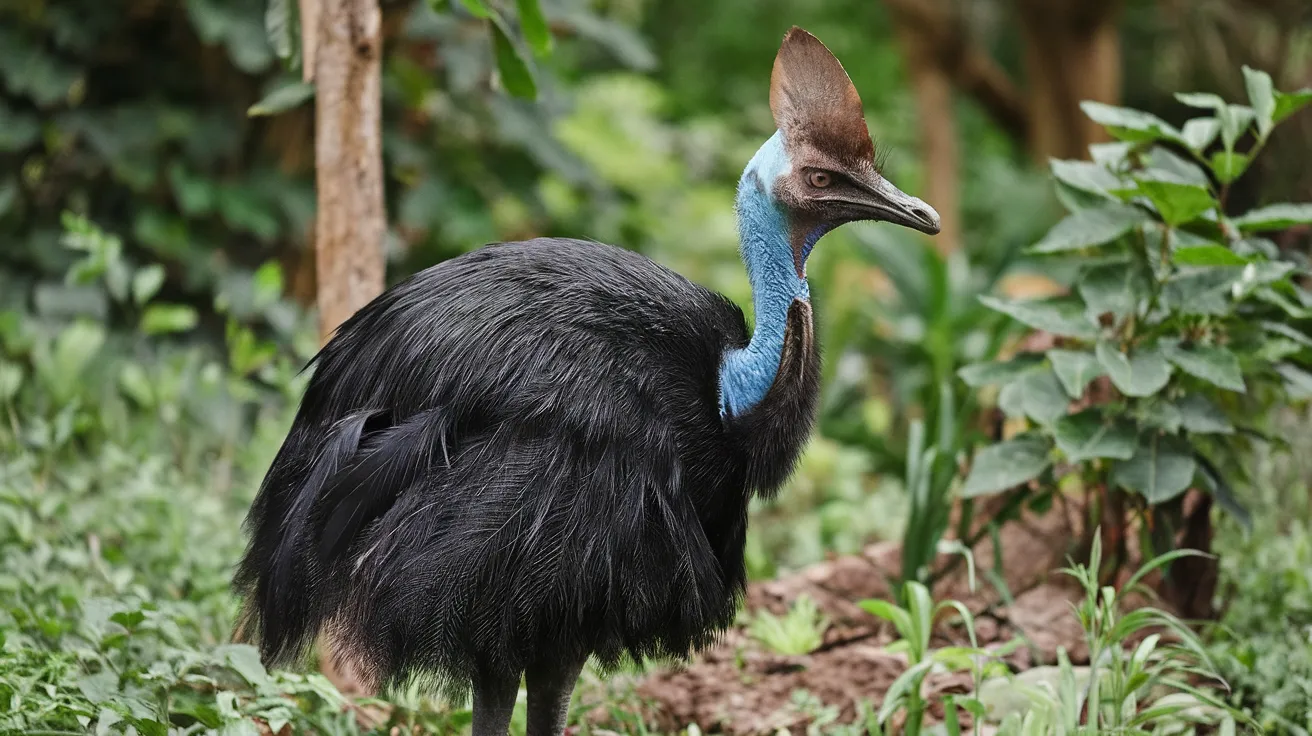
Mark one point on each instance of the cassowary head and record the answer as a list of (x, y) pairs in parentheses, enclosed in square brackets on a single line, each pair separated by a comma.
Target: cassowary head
[(819, 168)]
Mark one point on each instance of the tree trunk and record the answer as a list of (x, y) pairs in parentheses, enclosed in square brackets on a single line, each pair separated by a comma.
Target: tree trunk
[(938, 131), (350, 222), (1072, 53)]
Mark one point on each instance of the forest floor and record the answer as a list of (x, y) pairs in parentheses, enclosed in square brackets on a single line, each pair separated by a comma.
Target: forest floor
[(739, 687)]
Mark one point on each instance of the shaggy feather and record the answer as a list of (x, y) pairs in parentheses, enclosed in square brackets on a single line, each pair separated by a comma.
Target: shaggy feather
[(517, 457)]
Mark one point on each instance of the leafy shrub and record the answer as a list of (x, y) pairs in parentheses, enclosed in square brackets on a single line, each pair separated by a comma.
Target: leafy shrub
[(1184, 325)]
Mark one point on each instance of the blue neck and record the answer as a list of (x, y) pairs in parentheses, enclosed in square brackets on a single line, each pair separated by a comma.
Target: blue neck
[(764, 231)]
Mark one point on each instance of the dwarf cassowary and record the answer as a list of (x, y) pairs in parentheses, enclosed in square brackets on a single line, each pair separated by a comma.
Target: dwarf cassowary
[(543, 451)]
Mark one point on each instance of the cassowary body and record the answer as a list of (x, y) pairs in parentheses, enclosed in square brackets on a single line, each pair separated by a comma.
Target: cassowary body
[(544, 451)]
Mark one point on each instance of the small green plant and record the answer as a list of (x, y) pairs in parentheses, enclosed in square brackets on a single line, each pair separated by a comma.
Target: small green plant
[(1189, 322), (800, 631), (915, 626)]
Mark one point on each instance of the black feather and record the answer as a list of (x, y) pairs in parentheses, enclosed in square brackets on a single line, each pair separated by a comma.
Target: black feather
[(517, 456)]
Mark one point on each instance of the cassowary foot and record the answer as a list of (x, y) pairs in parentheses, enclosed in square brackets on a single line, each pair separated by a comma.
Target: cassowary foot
[(550, 687)]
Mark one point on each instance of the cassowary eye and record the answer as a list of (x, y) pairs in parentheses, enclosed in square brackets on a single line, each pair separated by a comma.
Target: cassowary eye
[(818, 179)]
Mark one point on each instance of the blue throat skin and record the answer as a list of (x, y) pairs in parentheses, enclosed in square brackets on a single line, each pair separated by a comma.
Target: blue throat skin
[(746, 374)]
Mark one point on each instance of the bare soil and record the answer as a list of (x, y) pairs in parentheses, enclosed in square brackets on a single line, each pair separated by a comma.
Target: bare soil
[(739, 688)]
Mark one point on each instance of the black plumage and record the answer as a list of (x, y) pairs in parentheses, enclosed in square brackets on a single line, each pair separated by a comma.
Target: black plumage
[(551, 478), (543, 451)]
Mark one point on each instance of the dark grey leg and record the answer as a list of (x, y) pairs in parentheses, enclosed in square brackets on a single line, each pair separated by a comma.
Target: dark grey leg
[(549, 689), (494, 702)]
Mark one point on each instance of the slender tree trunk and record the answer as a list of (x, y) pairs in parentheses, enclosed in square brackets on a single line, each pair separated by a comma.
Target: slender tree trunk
[(350, 221), (1072, 53), (938, 131)]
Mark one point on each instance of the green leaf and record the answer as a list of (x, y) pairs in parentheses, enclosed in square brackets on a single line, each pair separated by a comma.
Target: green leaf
[(1089, 435), (100, 687), (1005, 465), (516, 77), (1200, 100), (1228, 165), (1089, 227), (266, 285), (1142, 374), (1074, 368), (1200, 132), (1130, 125), (1040, 395), (1213, 364), (1235, 119), (1261, 95), (1063, 317), (1113, 287), (1161, 469), (1298, 382), (1207, 255), (477, 8), (146, 283), (985, 374), (1158, 413), (1175, 167), (1086, 176), (280, 23), (1199, 415), (162, 318), (11, 379), (282, 99), (244, 659), (1275, 217), (1288, 103), (534, 25), (1203, 291), (1177, 201)]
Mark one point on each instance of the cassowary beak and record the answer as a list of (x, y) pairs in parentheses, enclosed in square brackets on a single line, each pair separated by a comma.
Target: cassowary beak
[(887, 203)]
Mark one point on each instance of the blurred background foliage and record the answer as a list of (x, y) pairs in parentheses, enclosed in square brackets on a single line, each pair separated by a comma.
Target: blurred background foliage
[(134, 114)]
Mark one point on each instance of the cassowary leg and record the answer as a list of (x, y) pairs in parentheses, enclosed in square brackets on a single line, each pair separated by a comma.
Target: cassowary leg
[(494, 702), (549, 689)]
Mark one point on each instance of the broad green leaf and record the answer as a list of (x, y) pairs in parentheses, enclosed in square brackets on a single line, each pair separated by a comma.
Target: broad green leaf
[(1177, 201), (1005, 465), (1159, 413), (1162, 468), (1207, 255), (515, 75), (146, 283), (1261, 95), (1114, 287), (1216, 365), (1200, 132), (1087, 176), (266, 284), (477, 8), (1129, 125), (534, 25), (1298, 382), (162, 318), (1199, 415), (282, 99), (244, 659), (1200, 100), (1089, 435), (1228, 165), (1275, 217), (11, 379), (1288, 103), (280, 23), (1201, 290), (1063, 317), (1074, 368), (1142, 374), (136, 385), (999, 372), (1235, 119), (1285, 330), (1041, 396), (1175, 167), (1111, 154), (1089, 227)]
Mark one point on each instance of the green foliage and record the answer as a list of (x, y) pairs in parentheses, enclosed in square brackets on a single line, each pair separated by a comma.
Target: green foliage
[(1198, 324), (800, 631)]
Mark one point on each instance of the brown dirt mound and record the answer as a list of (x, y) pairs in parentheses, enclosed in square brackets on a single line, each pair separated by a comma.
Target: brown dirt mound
[(738, 688)]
